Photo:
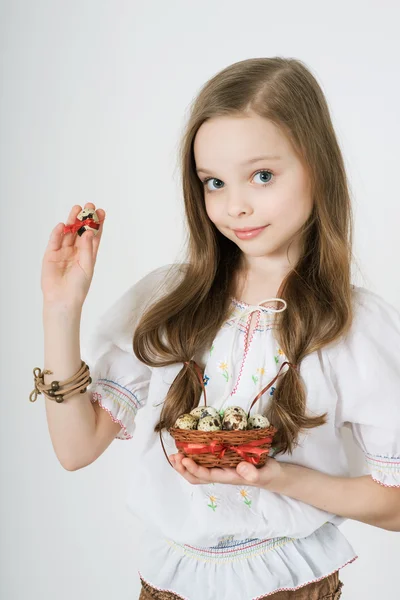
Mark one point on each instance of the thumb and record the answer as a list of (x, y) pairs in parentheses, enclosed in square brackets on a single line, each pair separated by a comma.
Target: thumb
[(248, 472)]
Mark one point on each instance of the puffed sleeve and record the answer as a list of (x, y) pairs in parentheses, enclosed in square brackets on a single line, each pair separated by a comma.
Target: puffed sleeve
[(366, 374), (120, 381)]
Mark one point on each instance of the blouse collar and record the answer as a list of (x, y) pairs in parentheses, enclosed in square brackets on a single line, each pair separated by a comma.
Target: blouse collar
[(246, 309)]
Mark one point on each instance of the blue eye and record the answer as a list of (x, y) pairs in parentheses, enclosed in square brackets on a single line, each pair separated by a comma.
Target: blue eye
[(263, 173), (263, 183)]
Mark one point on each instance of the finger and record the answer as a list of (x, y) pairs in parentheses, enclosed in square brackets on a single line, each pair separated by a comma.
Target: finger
[(178, 466), (177, 461), (217, 475), (174, 457), (196, 470), (226, 475), (70, 237), (85, 244), (96, 240), (248, 472), (55, 239)]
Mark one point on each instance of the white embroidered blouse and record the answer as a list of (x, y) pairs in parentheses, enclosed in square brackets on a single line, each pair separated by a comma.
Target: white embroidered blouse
[(232, 542)]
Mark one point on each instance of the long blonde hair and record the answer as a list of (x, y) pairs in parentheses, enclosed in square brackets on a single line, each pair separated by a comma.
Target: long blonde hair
[(317, 289)]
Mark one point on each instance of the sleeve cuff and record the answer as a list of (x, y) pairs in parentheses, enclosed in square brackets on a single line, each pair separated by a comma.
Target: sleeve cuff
[(121, 404), (384, 469)]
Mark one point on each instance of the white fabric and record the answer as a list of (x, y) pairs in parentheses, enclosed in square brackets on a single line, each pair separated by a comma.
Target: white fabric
[(247, 570), (356, 381)]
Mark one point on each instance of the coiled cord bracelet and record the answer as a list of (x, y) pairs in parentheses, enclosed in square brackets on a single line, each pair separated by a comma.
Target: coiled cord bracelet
[(52, 391)]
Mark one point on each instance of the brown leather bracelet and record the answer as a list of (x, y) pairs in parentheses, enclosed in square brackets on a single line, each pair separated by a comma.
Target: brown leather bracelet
[(77, 383)]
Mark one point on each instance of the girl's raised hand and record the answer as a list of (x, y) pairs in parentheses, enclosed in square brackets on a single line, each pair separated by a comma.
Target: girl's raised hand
[(68, 262)]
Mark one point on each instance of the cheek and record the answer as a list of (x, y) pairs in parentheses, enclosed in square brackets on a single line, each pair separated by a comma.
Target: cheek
[(212, 211), (292, 209)]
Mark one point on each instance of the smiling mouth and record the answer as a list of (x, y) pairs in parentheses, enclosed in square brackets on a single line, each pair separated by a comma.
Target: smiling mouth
[(249, 234), (246, 229)]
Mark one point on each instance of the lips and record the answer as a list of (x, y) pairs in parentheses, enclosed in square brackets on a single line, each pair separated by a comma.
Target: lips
[(248, 229), (248, 233)]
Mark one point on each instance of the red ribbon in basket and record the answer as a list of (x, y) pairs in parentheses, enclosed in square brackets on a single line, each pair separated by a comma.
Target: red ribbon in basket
[(217, 447)]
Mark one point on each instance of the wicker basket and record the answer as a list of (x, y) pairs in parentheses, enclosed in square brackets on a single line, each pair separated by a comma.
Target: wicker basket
[(226, 448)]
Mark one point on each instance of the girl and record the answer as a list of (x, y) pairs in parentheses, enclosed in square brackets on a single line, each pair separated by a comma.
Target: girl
[(266, 280)]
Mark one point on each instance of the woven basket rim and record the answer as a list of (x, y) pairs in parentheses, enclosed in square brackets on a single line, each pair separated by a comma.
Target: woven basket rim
[(195, 435), (219, 431)]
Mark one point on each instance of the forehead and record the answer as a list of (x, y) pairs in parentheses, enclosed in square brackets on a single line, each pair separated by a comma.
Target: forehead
[(227, 140)]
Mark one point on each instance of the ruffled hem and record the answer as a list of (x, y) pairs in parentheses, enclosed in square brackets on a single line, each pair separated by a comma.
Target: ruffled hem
[(264, 595), (287, 566), (120, 403), (384, 469)]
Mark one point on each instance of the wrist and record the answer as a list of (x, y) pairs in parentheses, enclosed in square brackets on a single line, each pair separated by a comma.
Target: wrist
[(283, 475), (61, 324), (62, 308)]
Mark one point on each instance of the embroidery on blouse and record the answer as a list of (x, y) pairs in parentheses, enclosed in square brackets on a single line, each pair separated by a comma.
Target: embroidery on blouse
[(228, 550), (236, 319), (213, 502), (225, 541), (247, 348), (280, 356), (388, 466), (245, 495), (238, 550), (223, 367), (118, 394), (123, 434), (211, 498), (260, 371), (114, 398)]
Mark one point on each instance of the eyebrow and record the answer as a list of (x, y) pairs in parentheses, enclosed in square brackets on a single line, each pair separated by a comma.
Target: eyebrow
[(246, 162)]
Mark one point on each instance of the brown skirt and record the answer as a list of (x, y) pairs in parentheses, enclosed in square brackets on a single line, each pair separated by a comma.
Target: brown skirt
[(329, 588)]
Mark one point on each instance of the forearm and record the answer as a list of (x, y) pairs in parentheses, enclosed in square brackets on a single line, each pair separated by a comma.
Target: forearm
[(358, 498), (72, 422)]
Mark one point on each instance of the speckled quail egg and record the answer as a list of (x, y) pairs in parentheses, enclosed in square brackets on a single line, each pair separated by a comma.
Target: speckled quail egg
[(204, 411), (234, 421), (209, 424), (257, 422), (186, 421), (238, 410)]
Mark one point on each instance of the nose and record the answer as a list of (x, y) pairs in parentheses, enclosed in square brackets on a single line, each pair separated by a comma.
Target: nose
[(237, 203)]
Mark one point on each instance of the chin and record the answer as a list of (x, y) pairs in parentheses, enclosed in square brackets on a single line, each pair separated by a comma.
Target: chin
[(257, 253)]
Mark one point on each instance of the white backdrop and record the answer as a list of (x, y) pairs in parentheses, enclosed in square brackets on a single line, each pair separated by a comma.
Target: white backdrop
[(93, 98)]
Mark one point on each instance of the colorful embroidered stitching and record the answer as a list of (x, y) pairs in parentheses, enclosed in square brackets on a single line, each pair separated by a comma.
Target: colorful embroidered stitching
[(119, 392), (244, 550), (387, 466), (244, 493), (247, 347)]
